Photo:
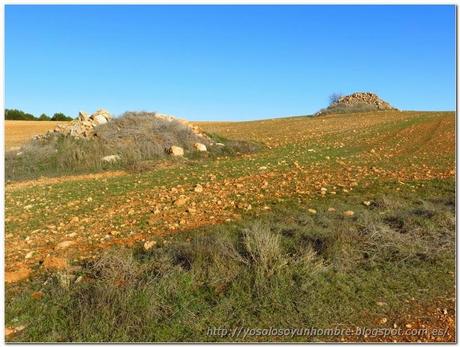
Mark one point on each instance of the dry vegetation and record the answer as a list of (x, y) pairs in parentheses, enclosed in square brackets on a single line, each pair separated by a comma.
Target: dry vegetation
[(234, 234)]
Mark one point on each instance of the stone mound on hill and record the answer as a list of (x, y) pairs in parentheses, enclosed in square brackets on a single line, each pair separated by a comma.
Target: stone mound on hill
[(357, 102), (155, 131)]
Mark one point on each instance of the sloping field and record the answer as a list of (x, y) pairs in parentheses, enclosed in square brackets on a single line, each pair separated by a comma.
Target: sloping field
[(309, 162), (17, 132)]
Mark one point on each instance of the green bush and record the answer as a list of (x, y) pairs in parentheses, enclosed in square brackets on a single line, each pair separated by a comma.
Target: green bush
[(59, 116), (13, 114)]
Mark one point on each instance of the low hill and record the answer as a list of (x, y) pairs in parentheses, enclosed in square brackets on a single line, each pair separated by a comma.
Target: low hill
[(357, 102)]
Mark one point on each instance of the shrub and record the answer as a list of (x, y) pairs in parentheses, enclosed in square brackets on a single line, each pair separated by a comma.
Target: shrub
[(334, 97), (59, 116), (44, 117)]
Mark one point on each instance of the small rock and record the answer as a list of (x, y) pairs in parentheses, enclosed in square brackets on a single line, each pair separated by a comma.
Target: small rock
[(9, 332), (348, 213), (176, 151), (64, 245), (79, 279), (312, 211), (263, 168), (75, 220), (367, 203), (99, 119), (198, 188), (180, 202), (200, 147), (149, 244), (29, 255), (331, 209), (111, 158), (383, 320)]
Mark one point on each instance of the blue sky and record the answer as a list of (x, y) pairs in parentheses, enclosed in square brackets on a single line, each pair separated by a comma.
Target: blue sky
[(226, 62)]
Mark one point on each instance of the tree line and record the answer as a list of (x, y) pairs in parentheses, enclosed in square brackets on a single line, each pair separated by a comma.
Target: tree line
[(13, 114)]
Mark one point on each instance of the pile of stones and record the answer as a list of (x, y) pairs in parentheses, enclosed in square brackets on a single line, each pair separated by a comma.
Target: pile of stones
[(364, 98)]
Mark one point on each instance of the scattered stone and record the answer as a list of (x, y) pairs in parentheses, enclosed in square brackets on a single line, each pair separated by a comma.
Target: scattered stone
[(367, 203), (198, 188), (263, 168), (176, 151), (331, 209), (348, 213), (312, 211), (383, 320), (75, 219), (29, 255), (200, 147), (9, 332), (111, 158), (180, 202), (149, 244), (64, 245)]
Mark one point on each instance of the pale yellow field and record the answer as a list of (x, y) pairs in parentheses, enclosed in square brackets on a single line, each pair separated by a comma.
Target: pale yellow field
[(18, 132)]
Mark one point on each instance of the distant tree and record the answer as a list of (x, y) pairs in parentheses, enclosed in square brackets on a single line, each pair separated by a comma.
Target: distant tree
[(13, 114), (43, 116), (334, 97), (59, 116)]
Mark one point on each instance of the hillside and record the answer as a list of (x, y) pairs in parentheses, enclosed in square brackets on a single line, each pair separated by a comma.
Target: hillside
[(348, 199)]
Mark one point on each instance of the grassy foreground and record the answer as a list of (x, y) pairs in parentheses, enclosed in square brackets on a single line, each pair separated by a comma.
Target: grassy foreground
[(288, 267)]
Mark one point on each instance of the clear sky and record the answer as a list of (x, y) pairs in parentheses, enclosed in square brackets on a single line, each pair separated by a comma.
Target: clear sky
[(226, 62)]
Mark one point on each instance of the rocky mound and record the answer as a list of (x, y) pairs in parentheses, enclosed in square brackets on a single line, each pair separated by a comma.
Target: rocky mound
[(357, 102), (160, 130)]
